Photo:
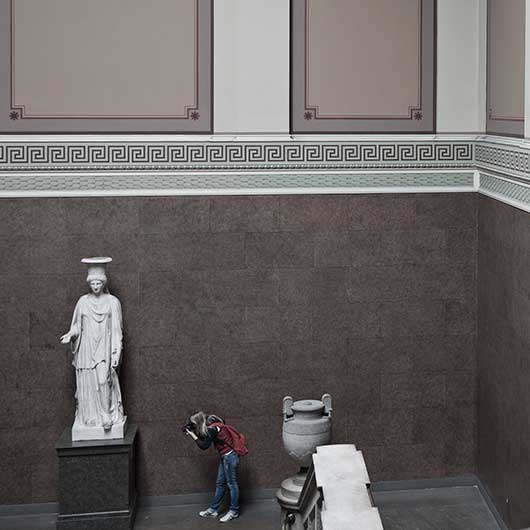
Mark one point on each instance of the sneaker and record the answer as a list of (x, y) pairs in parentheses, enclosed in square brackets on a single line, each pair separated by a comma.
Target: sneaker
[(228, 516), (209, 513)]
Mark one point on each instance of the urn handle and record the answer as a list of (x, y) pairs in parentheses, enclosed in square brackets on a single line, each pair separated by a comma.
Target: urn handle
[(326, 399), (287, 407)]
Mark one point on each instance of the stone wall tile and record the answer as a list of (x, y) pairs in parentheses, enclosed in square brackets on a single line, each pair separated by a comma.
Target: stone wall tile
[(17, 255), (315, 212), (283, 249), (367, 428), (398, 425), (159, 327), (329, 356), (385, 211), (45, 367), (441, 210), (158, 289), (430, 424), (409, 390), (165, 215), (175, 365), (244, 214), (460, 317), (461, 387), (412, 461), (444, 353), (346, 320), (410, 280), (461, 246), (14, 292), (394, 355), (214, 251), (248, 287), (425, 246), (196, 324), (102, 215), (237, 362), (162, 252), (412, 317), (47, 218), (359, 248), (14, 218), (289, 323)]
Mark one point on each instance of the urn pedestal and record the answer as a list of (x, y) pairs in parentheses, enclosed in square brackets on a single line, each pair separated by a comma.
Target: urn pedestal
[(97, 484), (306, 425)]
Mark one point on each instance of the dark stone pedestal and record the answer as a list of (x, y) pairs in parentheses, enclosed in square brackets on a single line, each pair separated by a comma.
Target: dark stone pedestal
[(97, 487)]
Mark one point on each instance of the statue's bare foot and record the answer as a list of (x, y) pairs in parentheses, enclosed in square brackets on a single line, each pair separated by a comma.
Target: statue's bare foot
[(107, 427)]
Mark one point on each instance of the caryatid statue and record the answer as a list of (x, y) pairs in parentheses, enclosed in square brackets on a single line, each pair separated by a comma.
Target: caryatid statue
[(95, 337)]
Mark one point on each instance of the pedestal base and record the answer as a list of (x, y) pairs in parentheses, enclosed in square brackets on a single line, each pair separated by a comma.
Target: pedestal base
[(97, 487), (289, 492), (288, 497), (84, 432)]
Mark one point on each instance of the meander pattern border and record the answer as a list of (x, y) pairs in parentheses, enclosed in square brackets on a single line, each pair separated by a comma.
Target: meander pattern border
[(174, 156), (106, 167)]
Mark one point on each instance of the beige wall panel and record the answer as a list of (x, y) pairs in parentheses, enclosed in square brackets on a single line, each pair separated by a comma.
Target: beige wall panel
[(506, 20), (381, 38), (104, 58), (365, 66), (506, 66)]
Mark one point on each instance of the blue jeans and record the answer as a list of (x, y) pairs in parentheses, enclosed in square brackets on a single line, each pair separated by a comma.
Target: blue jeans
[(227, 474)]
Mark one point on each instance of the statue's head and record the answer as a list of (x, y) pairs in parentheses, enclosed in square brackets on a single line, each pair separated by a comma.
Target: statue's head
[(97, 275)]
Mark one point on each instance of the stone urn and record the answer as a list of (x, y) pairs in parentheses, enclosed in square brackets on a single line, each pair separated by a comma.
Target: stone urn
[(306, 425)]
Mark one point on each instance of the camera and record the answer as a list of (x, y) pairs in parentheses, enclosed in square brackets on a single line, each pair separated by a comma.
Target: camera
[(188, 426)]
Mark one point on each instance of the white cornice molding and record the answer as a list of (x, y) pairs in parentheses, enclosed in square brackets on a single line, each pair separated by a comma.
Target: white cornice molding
[(516, 194), (521, 143), (235, 138), (83, 183)]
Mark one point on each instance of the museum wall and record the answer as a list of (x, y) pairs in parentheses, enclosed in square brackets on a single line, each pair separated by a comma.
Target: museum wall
[(231, 303), (235, 81), (503, 367), (506, 24), (251, 66)]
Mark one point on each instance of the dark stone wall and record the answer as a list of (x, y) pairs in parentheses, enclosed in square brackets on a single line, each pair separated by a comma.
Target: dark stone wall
[(230, 303), (504, 358)]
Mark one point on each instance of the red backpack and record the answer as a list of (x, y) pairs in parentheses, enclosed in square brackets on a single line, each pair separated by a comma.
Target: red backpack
[(239, 442)]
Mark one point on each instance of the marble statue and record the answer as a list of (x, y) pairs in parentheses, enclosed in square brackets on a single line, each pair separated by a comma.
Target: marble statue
[(95, 337)]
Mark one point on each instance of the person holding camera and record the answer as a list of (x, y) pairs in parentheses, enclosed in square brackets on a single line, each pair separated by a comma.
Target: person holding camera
[(230, 445)]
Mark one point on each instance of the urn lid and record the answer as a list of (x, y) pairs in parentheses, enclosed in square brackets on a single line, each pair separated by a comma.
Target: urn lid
[(308, 405)]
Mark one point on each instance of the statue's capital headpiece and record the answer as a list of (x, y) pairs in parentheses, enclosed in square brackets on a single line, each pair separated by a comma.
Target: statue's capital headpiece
[(97, 268)]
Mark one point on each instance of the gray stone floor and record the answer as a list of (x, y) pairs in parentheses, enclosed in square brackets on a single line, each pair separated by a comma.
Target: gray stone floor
[(454, 508)]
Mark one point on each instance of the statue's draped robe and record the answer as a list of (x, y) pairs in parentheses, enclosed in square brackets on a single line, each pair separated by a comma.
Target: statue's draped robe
[(97, 333)]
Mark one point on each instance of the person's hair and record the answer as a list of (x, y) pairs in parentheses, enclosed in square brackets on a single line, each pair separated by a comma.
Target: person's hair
[(199, 423), (212, 418)]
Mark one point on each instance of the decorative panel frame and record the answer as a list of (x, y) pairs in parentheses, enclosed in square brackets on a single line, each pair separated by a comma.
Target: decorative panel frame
[(505, 67), (189, 113), (307, 117)]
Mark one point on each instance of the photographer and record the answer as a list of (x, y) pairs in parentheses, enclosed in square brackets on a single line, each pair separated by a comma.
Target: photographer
[(230, 444)]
